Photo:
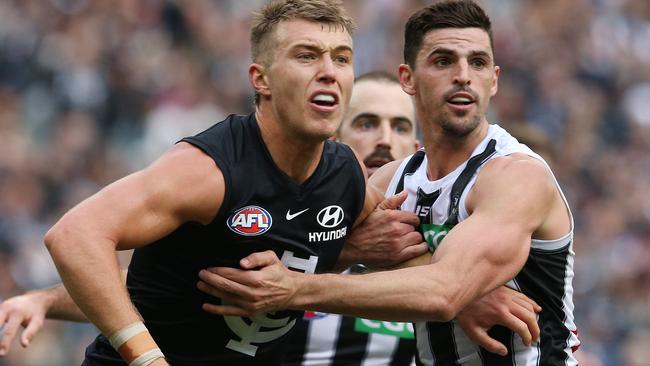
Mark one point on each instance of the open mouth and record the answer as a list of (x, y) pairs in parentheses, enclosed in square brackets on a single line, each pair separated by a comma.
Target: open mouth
[(460, 101), (324, 101)]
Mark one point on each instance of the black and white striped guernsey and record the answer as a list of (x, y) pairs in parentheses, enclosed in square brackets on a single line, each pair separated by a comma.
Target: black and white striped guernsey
[(335, 340), (546, 276)]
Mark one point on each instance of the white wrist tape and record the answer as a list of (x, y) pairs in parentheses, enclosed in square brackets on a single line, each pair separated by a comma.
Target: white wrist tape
[(120, 337), (147, 358)]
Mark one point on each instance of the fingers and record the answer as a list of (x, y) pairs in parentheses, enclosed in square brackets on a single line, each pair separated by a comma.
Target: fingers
[(3, 317), (516, 295), (405, 217), (216, 285), (483, 339), (9, 332), (232, 274), (393, 202), (525, 299), (34, 325), (413, 251), (520, 327), (528, 317), (259, 259), (227, 310)]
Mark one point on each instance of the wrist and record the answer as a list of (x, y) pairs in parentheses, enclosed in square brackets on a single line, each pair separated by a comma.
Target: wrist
[(136, 345), (348, 256), (45, 299), (307, 291)]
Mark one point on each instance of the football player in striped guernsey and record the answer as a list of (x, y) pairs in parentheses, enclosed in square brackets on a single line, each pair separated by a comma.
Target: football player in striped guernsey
[(491, 209)]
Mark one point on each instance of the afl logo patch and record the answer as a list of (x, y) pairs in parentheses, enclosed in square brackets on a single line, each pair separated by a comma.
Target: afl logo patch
[(250, 221)]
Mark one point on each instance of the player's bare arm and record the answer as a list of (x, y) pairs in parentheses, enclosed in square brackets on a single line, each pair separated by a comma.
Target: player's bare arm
[(30, 309), (127, 214), (478, 255)]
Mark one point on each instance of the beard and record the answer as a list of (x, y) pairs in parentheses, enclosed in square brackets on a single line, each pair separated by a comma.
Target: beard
[(460, 128), (459, 125)]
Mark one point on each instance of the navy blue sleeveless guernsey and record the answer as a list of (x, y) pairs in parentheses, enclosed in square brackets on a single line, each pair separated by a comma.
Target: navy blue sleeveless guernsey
[(263, 208)]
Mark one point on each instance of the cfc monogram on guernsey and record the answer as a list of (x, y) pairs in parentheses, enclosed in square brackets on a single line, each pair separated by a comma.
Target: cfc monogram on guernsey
[(546, 276), (263, 208)]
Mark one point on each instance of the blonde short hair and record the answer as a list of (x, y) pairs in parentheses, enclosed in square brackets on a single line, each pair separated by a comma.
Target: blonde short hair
[(330, 12)]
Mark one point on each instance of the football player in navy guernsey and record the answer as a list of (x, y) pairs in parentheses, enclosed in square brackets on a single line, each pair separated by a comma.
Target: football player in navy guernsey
[(491, 209), (269, 180)]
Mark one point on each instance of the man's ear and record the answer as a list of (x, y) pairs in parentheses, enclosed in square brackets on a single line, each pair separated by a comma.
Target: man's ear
[(406, 79), (257, 78), (495, 84)]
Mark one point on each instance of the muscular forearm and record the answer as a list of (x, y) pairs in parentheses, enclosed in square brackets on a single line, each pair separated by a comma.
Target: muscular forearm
[(89, 269), (59, 304), (410, 294)]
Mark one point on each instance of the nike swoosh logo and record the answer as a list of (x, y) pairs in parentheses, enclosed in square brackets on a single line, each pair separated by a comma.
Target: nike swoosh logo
[(291, 216)]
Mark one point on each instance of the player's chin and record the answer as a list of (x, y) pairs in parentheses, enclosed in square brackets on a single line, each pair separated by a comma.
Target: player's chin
[(323, 127)]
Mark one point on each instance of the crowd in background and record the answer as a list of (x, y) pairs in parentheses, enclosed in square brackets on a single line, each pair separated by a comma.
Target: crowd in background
[(91, 90)]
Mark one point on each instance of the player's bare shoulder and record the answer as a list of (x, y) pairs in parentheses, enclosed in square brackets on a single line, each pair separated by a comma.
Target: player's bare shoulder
[(516, 169), (513, 178), (521, 186), (194, 177)]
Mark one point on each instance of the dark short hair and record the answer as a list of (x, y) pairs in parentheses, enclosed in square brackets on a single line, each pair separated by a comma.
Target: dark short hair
[(443, 14)]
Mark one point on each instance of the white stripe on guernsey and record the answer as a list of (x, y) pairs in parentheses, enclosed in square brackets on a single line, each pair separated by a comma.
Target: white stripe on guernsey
[(467, 351), (550, 245), (424, 343), (379, 344), (523, 355), (321, 344), (567, 301)]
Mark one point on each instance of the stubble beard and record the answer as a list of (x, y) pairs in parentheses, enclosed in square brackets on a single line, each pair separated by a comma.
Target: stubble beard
[(459, 128)]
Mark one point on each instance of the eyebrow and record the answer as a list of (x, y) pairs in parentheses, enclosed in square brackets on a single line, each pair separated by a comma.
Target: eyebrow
[(316, 48), (448, 52), (365, 115), (374, 115)]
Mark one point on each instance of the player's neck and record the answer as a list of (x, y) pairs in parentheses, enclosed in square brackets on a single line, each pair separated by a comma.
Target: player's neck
[(296, 157), (446, 153)]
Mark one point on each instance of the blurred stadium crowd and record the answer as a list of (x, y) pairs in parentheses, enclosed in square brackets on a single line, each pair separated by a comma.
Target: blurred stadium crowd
[(91, 90)]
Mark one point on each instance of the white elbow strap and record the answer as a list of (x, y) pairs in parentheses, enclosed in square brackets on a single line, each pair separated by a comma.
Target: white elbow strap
[(147, 358), (120, 337)]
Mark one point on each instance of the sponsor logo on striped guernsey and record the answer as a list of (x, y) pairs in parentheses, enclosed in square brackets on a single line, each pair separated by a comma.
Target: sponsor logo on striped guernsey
[(395, 329), (434, 233), (250, 221)]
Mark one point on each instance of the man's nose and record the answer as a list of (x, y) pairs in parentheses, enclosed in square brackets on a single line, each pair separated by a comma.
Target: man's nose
[(385, 135), (327, 72), (461, 75)]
